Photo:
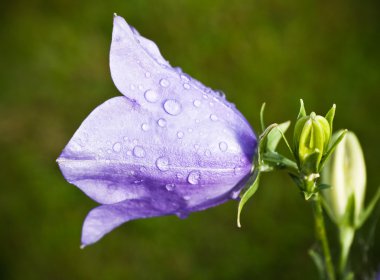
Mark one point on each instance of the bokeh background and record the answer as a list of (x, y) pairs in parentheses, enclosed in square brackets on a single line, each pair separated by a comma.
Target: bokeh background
[(54, 71)]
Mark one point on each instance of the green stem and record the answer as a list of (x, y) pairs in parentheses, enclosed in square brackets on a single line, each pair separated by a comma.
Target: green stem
[(321, 235)]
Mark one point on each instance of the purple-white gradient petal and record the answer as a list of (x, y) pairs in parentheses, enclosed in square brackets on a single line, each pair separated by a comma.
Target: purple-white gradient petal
[(170, 145)]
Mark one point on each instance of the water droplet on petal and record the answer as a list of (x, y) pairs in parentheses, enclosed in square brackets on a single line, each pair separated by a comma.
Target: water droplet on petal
[(186, 197), (182, 214), (180, 134), (196, 147), (179, 176), (141, 87), (164, 83), (213, 117), (129, 153), (185, 78), (207, 153), (235, 194), (145, 127), (186, 86), (139, 152), (162, 163), (211, 104), (172, 107), (170, 187), (194, 177), (223, 146), (205, 96), (151, 96), (197, 121), (147, 74), (197, 103), (142, 169), (116, 147), (161, 122), (190, 130), (132, 87)]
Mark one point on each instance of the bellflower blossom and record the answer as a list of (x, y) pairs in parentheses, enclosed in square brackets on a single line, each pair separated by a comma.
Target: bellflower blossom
[(170, 145)]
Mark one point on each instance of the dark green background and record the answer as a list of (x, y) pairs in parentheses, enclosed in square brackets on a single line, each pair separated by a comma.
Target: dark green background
[(54, 71)]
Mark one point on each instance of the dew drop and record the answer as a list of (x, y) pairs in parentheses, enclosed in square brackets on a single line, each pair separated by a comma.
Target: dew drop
[(132, 87), (223, 146), (205, 96), (211, 104), (235, 194), (213, 117), (164, 83), (194, 177), (207, 153), (142, 169), (172, 107), (147, 74), (183, 214), (180, 134), (170, 187), (190, 130), (162, 163), (116, 147), (145, 127), (179, 176), (196, 147), (197, 103), (186, 197), (129, 153), (151, 96), (140, 87), (161, 122), (197, 121), (185, 78), (186, 86), (139, 152)]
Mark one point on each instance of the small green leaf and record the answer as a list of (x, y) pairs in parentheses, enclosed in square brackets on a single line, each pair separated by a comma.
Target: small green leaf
[(332, 149), (330, 117), (263, 141), (275, 135), (248, 194), (367, 212), (279, 161), (323, 186), (319, 263), (302, 112), (262, 117)]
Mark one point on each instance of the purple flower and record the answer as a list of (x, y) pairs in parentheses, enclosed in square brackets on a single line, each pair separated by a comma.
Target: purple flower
[(170, 145)]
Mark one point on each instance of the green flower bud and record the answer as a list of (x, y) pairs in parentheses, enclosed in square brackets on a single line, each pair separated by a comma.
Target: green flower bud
[(311, 139), (345, 172)]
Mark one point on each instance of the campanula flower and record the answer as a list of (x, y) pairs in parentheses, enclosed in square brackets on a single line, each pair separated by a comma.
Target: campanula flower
[(169, 145)]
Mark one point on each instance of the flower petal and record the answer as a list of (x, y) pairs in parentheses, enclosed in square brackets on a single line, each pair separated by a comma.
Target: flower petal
[(122, 152), (105, 218)]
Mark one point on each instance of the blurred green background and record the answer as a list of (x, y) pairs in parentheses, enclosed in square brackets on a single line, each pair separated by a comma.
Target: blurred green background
[(54, 71)]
